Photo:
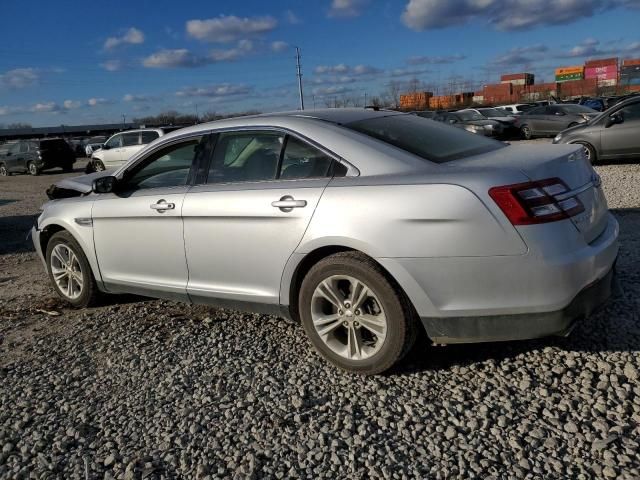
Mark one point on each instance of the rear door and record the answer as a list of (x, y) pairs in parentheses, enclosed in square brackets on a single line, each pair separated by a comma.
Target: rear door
[(244, 222), (14, 159), (535, 119), (623, 140)]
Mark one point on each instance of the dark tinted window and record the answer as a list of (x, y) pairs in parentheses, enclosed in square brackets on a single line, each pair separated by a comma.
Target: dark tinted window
[(575, 109), (429, 140), (54, 144), (169, 167), (148, 137), (245, 157), (114, 142), (131, 139), (301, 160), (24, 147), (631, 113), (537, 111)]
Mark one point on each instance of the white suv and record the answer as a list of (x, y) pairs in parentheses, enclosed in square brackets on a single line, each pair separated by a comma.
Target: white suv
[(122, 146)]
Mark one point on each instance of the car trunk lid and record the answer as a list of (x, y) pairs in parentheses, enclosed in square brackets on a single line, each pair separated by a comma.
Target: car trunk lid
[(567, 163)]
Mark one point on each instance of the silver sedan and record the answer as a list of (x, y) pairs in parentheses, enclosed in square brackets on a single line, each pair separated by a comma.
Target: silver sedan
[(367, 226)]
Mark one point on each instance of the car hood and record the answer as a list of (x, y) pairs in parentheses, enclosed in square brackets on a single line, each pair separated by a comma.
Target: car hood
[(76, 186)]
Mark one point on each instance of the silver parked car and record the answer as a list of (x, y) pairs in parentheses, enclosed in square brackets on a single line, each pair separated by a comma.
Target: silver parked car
[(365, 225), (552, 119)]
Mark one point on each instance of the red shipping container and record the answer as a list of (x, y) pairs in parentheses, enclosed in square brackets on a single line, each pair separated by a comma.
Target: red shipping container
[(601, 63), (609, 72)]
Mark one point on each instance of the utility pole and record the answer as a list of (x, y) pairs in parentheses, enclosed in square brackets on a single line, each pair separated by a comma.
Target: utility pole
[(299, 75), (124, 118), (365, 99)]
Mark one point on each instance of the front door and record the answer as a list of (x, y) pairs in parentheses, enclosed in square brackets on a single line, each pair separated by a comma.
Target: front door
[(112, 151), (622, 140), (244, 223), (138, 230)]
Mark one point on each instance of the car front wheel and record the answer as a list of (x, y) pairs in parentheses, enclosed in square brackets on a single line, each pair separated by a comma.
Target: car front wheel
[(354, 316), (527, 134), (33, 169), (3, 170), (69, 271)]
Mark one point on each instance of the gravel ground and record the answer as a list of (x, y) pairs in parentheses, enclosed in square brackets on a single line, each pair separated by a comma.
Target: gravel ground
[(153, 389)]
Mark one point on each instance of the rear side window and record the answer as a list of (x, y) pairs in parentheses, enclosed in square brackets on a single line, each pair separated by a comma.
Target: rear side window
[(245, 157), (301, 160), (429, 140), (130, 139), (148, 137)]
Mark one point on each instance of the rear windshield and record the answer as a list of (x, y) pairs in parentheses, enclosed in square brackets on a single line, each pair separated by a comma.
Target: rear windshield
[(430, 140), (55, 144)]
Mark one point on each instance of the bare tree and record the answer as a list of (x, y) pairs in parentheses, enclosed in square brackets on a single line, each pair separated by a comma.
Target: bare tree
[(391, 95)]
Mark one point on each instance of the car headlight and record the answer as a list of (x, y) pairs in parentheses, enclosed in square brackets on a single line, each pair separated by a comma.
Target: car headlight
[(473, 128), (557, 138)]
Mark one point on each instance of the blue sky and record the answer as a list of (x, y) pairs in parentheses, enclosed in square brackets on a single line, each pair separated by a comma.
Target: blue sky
[(71, 62)]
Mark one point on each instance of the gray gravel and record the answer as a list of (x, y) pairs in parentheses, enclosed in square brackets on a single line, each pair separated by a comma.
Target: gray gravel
[(155, 389)]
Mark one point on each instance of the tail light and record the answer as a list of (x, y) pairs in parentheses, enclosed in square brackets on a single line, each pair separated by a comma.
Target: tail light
[(536, 202)]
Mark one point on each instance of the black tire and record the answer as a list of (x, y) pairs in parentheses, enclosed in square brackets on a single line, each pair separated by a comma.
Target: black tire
[(399, 313), (33, 169), (525, 131), (590, 152), (3, 171), (89, 293)]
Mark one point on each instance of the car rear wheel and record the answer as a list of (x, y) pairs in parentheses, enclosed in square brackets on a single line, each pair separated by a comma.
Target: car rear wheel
[(526, 132), (589, 151), (3, 171), (70, 272), (354, 316), (33, 169)]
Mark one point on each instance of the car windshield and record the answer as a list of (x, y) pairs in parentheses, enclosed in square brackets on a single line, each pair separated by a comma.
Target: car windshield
[(469, 115), (524, 108), (430, 140), (577, 109), (492, 112)]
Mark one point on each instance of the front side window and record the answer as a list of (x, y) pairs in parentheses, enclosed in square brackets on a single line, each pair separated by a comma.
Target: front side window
[(429, 140), (301, 160), (148, 137), (168, 167), (24, 148), (631, 113), (114, 142), (537, 111), (130, 139), (245, 157)]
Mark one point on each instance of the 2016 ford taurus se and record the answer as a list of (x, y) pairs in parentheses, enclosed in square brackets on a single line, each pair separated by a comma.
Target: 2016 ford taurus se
[(365, 225)]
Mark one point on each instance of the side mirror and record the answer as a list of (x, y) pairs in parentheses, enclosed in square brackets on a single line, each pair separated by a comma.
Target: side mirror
[(614, 119), (453, 120), (104, 184)]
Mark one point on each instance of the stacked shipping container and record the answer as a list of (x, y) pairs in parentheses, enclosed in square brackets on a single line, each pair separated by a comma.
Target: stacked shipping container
[(630, 73), (498, 93), (605, 71), (567, 74), (415, 100), (518, 78)]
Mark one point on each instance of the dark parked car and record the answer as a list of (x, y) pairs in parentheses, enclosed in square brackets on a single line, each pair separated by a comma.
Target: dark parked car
[(614, 134), (34, 156), (472, 122), (552, 119)]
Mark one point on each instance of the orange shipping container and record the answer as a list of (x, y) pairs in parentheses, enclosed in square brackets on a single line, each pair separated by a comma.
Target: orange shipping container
[(602, 62), (631, 62), (569, 70)]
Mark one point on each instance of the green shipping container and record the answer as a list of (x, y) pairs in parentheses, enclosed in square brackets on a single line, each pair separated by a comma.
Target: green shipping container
[(569, 76)]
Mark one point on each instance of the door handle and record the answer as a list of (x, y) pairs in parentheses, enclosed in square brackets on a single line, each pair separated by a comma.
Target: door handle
[(288, 203), (162, 206)]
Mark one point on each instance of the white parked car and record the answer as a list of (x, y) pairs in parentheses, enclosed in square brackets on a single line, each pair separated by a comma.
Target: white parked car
[(122, 146), (516, 108)]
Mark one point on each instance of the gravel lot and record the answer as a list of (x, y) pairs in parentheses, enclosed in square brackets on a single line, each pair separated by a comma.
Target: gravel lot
[(154, 389)]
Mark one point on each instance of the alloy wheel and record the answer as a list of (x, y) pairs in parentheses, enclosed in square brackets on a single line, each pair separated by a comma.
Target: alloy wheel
[(348, 317), (67, 271), (3, 171), (98, 166), (33, 169)]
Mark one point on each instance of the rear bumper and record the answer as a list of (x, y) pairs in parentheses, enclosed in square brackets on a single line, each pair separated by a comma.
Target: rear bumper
[(522, 326)]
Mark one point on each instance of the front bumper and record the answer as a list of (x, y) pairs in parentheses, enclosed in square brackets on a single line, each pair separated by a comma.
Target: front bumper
[(35, 237), (522, 326)]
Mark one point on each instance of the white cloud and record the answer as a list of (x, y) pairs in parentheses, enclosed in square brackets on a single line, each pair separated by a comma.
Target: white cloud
[(45, 107), (347, 8), (227, 29), (244, 47), (504, 14), (292, 18), (137, 98), (112, 65), (440, 60), (94, 102), (173, 58), (333, 90), (220, 90), (132, 36), (19, 78), (341, 68), (279, 46), (71, 104)]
